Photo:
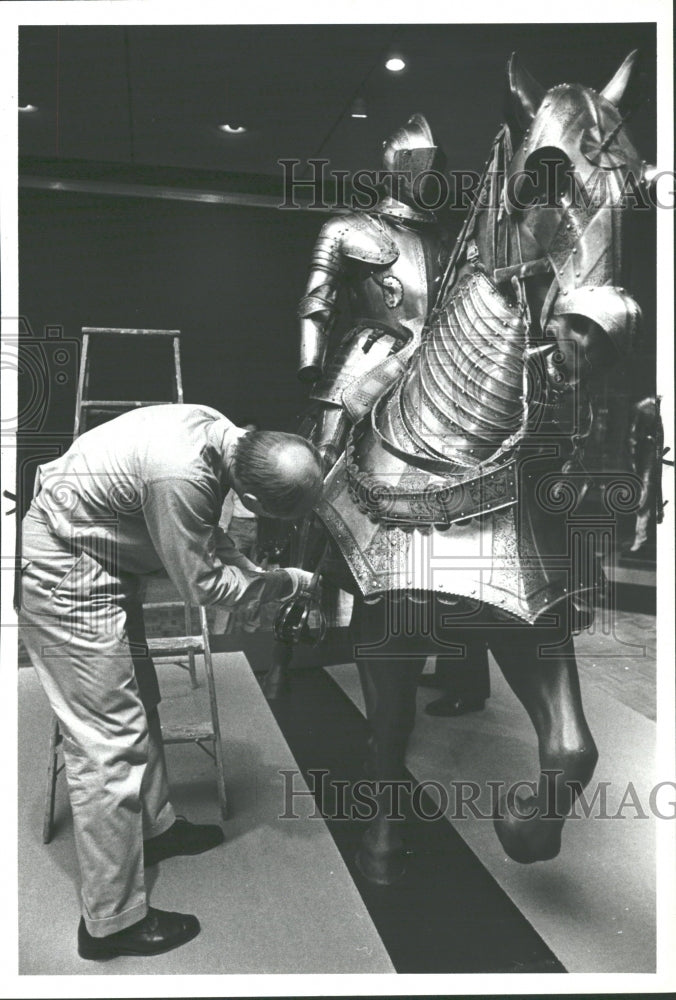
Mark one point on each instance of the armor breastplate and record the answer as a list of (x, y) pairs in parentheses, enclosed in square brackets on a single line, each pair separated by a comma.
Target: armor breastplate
[(400, 291)]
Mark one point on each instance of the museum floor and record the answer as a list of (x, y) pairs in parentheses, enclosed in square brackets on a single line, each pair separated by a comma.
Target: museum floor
[(283, 895)]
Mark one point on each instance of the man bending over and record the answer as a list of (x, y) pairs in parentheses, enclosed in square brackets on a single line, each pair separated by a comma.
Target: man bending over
[(136, 495)]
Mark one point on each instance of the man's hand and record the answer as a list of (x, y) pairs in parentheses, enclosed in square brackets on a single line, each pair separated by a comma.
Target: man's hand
[(292, 623), (301, 580)]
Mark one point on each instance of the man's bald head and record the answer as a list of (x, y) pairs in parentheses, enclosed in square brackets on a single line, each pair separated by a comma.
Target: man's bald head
[(282, 471)]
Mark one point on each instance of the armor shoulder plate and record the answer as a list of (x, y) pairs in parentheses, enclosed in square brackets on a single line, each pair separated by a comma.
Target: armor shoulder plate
[(365, 241)]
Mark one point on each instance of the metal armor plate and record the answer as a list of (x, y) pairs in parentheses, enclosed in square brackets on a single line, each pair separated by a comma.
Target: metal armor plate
[(360, 350), (463, 394), (398, 293), (364, 240)]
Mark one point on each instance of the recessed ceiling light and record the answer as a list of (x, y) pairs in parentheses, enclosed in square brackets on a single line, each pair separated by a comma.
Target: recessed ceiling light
[(358, 109), (233, 129), (27, 107), (395, 64)]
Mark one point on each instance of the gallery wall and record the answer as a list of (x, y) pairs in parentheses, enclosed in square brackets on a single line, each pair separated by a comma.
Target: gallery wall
[(228, 278)]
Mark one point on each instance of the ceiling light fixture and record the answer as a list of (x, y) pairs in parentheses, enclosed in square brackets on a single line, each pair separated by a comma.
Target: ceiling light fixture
[(395, 64), (358, 109), (233, 129), (27, 107)]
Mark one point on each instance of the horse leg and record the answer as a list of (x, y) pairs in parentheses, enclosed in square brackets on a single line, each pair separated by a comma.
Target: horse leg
[(530, 827), (389, 685)]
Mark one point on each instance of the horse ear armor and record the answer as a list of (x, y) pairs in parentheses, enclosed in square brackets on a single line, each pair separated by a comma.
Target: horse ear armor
[(525, 91), (616, 89)]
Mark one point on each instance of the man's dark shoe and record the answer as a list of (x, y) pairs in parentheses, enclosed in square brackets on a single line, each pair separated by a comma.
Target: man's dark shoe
[(159, 931), (181, 838), (452, 705)]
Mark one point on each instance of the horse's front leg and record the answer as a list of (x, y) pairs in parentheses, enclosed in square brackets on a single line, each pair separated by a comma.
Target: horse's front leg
[(389, 684), (546, 682)]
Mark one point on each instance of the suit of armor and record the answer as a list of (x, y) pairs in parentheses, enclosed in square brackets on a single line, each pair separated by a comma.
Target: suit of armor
[(646, 446), (388, 263)]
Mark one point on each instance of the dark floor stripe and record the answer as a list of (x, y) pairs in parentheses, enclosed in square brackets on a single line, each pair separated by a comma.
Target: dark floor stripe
[(634, 598), (447, 914)]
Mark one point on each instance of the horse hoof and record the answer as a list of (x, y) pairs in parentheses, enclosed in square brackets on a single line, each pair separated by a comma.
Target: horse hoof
[(381, 869), (529, 840)]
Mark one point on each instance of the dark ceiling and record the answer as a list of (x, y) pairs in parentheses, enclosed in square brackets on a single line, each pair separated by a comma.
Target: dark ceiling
[(154, 96)]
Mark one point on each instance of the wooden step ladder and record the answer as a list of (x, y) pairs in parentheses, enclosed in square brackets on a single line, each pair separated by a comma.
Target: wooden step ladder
[(207, 732), (184, 647), (84, 406)]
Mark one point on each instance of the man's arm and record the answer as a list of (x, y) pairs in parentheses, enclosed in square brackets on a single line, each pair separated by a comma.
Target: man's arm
[(181, 518), (227, 510), (228, 553)]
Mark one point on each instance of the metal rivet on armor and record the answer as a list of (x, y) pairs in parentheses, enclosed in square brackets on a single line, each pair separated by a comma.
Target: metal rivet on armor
[(577, 274), (574, 249)]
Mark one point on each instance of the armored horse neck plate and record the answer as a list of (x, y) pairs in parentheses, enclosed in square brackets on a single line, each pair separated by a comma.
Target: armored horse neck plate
[(462, 399), (457, 413)]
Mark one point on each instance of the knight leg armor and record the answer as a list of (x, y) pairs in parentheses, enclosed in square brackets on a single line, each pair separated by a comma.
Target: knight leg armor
[(331, 434), (465, 681)]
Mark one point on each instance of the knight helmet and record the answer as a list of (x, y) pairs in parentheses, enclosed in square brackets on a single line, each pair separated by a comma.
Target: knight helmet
[(412, 151)]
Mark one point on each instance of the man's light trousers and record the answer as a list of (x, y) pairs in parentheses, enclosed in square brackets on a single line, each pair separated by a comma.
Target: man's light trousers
[(78, 622)]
